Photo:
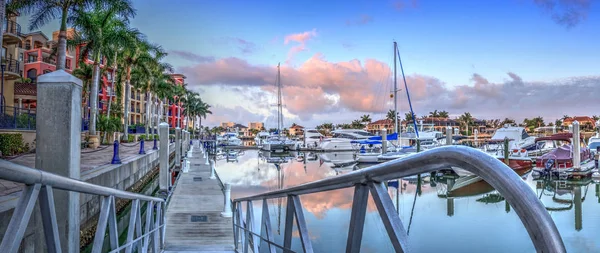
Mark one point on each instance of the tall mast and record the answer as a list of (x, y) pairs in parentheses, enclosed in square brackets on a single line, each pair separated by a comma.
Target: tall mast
[(279, 110), (395, 94)]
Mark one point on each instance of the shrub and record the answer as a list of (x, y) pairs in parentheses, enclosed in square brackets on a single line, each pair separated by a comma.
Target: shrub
[(156, 137), (12, 144), (130, 138), (142, 137)]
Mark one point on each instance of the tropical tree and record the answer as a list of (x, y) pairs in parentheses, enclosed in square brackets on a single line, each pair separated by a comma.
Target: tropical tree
[(564, 117), (98, 31), (507, 121), (391, 115), (467, 120), (44, 11), (357, 124), (443, 114), (408, 117), (85, 73), (434, 114), (365, 118)]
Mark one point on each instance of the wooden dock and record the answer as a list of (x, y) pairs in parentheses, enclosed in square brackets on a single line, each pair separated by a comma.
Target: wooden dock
[(193, 218)]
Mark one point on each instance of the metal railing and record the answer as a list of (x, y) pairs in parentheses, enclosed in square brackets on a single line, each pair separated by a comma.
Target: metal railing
[(12, 65), (12, 27), (531, 211), (17, 118), (40, 184)]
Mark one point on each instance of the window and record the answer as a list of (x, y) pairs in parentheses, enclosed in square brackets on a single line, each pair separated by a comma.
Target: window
[(68, 64), (3, 52), (20, 57)]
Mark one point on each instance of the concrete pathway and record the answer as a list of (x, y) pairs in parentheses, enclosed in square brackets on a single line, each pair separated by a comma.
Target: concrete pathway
[(193, 217)]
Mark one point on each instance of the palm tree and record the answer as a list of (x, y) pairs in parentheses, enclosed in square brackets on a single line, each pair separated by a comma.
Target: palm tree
[(443, 114), (85, 73), (357, 124), (44, 11), (434, 114), (467, 120), (98, 32), (564, 117), (391, 115), (365, 118), (138, 55), (408, 117)]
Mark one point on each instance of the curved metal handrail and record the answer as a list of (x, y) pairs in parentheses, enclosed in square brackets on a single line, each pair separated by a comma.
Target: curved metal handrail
[(23, 174), (531, 211)]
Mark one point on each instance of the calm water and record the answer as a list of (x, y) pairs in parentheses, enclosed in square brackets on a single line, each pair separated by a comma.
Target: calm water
[(471, 219)]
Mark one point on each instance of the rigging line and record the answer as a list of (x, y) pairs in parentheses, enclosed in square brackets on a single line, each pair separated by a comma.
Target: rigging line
[(407, 94), (412, 211)]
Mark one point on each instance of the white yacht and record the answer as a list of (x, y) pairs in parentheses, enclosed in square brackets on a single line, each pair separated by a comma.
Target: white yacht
[(261, 137), (342, 139), (594, 143), (312, 137), (229, 139)]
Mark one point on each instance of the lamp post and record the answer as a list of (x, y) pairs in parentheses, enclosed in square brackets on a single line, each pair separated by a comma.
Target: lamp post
[(2, 90)]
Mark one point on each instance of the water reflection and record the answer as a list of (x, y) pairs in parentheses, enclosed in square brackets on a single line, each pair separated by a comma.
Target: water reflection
[(441, 212)]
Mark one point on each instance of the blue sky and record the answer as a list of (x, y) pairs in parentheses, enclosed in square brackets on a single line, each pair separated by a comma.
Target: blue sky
[(445, 40)]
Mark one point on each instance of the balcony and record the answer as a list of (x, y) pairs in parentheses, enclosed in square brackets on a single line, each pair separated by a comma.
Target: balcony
[(12, 68), (12, 32)]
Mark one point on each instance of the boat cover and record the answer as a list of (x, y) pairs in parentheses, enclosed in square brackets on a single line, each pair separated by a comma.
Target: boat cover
[(393, 136)]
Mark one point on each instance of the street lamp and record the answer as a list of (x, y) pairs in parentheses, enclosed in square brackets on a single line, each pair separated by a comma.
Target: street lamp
[(2, 91)]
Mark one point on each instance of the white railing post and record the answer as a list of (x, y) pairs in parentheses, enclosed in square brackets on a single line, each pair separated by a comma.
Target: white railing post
[(576, 146), (177, 147), (58, 146), (227, 208), (212, 170), (163, 174), (448, 135)]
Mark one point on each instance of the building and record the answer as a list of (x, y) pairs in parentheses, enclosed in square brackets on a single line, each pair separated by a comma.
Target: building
[(256, 125), (376, 126), (227, 124), (583, 121), (174, 117), (296, 130), (242, 130)]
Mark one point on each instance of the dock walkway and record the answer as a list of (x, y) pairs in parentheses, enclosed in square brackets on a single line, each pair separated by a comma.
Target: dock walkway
[(193, 217)]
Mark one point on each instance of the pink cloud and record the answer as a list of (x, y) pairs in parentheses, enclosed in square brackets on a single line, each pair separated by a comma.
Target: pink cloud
[(320, 87), (362, 20), (300, 39)]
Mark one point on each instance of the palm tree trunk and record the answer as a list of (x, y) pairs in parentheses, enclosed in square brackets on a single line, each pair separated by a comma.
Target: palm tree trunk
[(148, 112), (126, 110), (94, 98), (62, 43)]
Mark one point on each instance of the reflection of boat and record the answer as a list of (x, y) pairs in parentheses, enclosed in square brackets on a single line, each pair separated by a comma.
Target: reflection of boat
[(229, 139), (300, 157), (566, 195), (469, 186), (311, 156), (272, 157)]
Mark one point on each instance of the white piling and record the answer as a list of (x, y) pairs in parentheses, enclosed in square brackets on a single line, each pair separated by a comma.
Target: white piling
[(384, 140), (476, 132), (576, 146), (227, 209), (186, 165), (206, 159), (212, 170), (448, 135)]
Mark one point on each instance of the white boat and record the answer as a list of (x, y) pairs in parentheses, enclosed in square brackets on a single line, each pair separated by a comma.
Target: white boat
[(403, 152), (312, 137), (594, 143), (342, 139), (229, 139), (261, 137)]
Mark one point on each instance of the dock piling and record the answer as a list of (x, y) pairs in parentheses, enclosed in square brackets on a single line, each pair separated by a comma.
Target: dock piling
[(164, 176), (212, 170), (227, 208), (576, 146)]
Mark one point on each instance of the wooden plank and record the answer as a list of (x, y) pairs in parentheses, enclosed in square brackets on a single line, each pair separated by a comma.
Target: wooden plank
[(190, 200)]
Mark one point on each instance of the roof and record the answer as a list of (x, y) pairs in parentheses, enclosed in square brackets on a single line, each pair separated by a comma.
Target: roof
[(239, 126), (296, 127), (34, 33), (381, 122), (26, 89), (578, 118)]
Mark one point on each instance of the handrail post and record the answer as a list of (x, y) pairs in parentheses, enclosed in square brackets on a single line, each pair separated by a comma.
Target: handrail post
[(163, 157), (155, 147), (116, 159), (227, 201), (177, 147), (142, 151), (58, 146)]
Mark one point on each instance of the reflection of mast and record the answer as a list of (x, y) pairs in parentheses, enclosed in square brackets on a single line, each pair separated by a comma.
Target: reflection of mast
[(279, 200), (577, 196), (412, 211)]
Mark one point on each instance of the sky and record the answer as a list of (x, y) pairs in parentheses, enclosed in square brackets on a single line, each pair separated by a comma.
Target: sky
[(495, 59)]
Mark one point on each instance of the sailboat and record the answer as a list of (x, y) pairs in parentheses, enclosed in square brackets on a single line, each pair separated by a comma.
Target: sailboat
[(278, 142)]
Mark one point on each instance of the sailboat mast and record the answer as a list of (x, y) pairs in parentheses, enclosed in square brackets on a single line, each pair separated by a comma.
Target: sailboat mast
[(279, 110), (395, 93)]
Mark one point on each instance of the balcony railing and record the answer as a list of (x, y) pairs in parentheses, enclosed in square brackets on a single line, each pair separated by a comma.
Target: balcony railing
[(12, 65), (17, 118), (12, 27), (531, 211)]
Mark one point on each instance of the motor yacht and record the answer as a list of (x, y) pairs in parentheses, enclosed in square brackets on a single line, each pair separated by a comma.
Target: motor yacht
[(342, 139)]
